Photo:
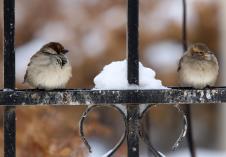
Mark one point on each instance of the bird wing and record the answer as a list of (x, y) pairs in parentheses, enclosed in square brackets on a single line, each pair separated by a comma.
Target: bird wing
[(179, 65), (25, 76), (63, 60)]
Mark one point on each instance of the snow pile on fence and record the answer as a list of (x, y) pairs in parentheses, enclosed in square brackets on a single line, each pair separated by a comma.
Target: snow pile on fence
[(114, 76)]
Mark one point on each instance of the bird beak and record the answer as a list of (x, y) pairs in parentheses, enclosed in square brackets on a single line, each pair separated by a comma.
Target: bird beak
[(65, 51)]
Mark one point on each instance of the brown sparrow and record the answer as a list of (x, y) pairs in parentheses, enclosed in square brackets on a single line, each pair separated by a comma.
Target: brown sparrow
[(49, 68), (198, 67)]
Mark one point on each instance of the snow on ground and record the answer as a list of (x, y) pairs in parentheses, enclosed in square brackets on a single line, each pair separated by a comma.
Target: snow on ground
[(115, 13), (164, 55), (168, 11), (55, 30), (114, 76), (200, 153), (185, 153), (94, 42), (99, 150)]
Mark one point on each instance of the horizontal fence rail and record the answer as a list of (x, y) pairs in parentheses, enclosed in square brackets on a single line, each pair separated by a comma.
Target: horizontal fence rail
[(86, 97)]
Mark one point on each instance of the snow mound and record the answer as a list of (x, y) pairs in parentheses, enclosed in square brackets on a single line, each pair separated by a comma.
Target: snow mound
[(114, 76)]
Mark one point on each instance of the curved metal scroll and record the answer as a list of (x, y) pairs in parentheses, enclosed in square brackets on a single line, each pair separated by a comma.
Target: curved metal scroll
[(82, 135), (144, 136), (184, 130)]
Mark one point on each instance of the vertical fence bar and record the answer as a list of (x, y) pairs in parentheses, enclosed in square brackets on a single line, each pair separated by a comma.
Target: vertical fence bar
[(187, 108), (132, 30), (184, 27), (133, 76), (9, 77)]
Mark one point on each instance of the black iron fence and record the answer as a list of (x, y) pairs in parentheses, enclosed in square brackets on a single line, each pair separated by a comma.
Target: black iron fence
[(11, 97)]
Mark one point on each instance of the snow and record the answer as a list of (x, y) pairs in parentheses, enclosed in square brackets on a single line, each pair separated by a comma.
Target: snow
[(162, 155), (55, 30), (164, 55), (94, 42), (98, 149), (122, 108), (200, 153), (7, 90), (170, 11), (111, 15), (185, 153), (114, 76), (108, 153), (167, 12)]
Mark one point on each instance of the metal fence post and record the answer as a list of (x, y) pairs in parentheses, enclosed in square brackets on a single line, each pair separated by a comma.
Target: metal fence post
[(187, 107), (133, 76), (9, 77)]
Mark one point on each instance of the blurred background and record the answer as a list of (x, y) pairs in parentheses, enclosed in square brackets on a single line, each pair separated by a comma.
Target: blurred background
[(95, 33)]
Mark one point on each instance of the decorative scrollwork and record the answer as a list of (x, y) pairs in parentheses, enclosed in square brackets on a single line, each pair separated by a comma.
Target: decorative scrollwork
[(184, 130), (144, 136), (82, 135)]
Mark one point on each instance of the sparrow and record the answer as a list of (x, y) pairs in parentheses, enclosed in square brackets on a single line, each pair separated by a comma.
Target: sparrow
[(49, 68), (198, 67)]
